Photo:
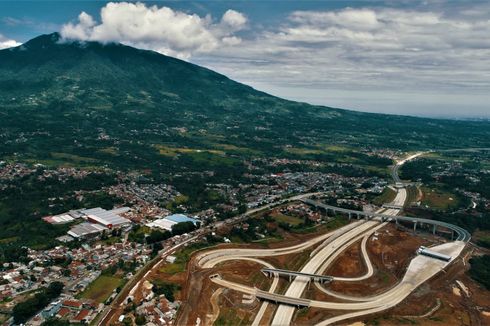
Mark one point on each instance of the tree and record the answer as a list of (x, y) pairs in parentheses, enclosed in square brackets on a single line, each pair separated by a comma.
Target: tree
[(480, 270), (158, 236), (183, 227), (26, 309), (242, 208), (140, 320)]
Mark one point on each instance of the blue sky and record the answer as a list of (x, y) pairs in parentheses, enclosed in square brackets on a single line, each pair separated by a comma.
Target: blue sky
[(429, 58)]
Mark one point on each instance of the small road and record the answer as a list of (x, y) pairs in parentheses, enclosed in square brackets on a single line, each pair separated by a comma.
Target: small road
[(118, 302)]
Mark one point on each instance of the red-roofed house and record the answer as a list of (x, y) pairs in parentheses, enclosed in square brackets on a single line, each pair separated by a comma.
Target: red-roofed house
[(81, 315), (71, 304), (63, 312)]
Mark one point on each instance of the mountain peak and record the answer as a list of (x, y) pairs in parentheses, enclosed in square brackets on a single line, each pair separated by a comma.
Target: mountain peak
[(43, 41)]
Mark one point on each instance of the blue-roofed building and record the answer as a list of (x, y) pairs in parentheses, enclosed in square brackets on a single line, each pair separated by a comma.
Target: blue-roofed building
[(179, 218), (51, 310)]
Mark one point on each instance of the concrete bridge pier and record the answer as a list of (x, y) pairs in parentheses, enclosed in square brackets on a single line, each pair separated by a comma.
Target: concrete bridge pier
[(324, 211), (434, 229), (414, 227), (350, 216)]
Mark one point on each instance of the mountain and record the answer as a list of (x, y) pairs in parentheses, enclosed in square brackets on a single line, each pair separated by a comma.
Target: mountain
[(87, 103)]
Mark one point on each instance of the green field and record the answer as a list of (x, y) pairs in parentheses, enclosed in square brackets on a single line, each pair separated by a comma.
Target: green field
[(100, 289), (286, 219), (386, 197), (439, 199)]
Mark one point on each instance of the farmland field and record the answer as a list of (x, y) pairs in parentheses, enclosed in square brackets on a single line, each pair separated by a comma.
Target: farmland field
[(100, 289)]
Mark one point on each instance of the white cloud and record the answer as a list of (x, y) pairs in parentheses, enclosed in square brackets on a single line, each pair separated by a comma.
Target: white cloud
[(158, 28), (375, 51), (6, 43), (234, 19)]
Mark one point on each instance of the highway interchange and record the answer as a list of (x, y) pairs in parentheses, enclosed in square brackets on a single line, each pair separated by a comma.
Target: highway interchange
[(331, 245)]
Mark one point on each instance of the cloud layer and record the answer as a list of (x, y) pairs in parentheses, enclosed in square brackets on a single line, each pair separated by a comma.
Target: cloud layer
[(432, 53), (162, 29), (377, 58), (7, 43)]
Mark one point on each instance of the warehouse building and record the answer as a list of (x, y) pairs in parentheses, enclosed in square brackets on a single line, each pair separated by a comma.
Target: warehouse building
[(97, 220), (86, 230), (106, 218), (167, 222)]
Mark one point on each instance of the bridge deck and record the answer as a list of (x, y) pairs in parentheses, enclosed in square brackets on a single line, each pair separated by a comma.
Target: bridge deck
[(463, 235), (294, 273), (279, 298)]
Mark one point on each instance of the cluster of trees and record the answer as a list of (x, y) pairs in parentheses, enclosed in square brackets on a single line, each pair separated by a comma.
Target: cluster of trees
[(263, 225), (126, 266), (157, 236), (417, 170), (26, 199), (12, 253), (167, 289), (420, 170), (59, 322), (466, 221), (480, 270), (26, 309), (184, 227)]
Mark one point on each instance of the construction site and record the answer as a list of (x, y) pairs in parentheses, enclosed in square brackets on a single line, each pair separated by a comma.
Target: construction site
[(378, 267)]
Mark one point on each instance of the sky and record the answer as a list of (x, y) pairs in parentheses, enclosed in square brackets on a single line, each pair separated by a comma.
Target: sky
[(424, 58)]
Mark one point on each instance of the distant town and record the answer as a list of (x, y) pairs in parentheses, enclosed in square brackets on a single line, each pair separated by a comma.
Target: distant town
[(107, 247)]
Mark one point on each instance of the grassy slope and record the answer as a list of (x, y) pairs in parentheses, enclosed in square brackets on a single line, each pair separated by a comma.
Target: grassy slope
[(57, 99)]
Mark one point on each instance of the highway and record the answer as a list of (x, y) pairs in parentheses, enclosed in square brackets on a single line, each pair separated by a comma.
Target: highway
[(284, 313), (390, 215), (331, 245), (108, 312), (398, 164), (420, 270)]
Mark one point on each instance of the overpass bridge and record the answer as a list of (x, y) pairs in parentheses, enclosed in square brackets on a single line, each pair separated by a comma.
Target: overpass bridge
[(462, 234), (393, 206), (269, 272), (279, 298)]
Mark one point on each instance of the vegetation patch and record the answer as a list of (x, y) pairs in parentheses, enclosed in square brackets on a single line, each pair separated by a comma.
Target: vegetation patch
[(286, 219), (480, 270), (101, 289), (72, 158), (439, 199), (387, 196), (173, 151)]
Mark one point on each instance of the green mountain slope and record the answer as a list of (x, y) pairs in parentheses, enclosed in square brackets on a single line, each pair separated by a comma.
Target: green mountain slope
[(89, 103)]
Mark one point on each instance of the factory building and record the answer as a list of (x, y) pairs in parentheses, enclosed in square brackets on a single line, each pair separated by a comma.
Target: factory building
[(96, 221), (167, 222), (86, 230), (106, 218)]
